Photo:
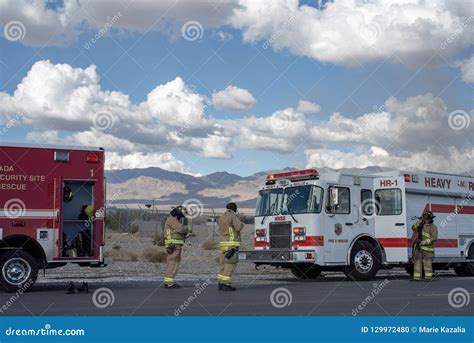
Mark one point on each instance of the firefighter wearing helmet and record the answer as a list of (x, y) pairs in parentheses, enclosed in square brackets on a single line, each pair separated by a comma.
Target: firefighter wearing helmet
[(230, 227), (425, 234), (175, 234)]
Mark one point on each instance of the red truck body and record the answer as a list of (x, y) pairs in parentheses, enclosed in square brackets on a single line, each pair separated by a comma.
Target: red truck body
[(44, 191)]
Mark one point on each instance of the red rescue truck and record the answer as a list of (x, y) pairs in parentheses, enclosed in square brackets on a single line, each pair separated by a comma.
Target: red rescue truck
[(360, 223), (52, 210)]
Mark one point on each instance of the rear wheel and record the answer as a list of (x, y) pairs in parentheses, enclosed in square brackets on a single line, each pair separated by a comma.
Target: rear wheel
[(364, 263), (18, 270), (306, 270)]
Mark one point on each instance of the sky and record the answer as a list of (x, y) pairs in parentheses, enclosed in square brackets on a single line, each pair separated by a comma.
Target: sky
[(243, 86)]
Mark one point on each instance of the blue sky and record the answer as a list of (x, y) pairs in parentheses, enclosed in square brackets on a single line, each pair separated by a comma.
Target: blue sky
[(273, 61)]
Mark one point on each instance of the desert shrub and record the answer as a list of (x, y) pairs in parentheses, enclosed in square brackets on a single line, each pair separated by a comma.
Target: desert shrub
[(209, 245), (121, 255), (116, 247), (153, 254), (135, 229)]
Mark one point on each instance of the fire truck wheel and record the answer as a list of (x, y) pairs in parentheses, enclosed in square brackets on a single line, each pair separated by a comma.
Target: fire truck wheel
[(365, 262), (19, 270), (306, 271)]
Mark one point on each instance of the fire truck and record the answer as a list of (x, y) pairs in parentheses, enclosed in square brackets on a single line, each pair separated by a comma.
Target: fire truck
[(311, 222), (53, 210)]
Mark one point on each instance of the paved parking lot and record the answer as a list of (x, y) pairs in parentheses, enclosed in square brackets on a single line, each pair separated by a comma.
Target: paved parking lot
[(334, 295)]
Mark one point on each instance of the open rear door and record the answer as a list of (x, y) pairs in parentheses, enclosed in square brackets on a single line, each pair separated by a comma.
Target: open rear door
[(390, 221)]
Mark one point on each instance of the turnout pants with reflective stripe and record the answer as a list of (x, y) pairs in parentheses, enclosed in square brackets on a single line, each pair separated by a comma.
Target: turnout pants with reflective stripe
[(172, 264), (422, 261), (226, 268)]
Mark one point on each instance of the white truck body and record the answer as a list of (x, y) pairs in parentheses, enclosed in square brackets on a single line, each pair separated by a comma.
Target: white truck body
[(378, 208)]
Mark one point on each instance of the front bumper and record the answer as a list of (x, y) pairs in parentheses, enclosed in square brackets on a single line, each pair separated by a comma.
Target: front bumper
[(277, 256)]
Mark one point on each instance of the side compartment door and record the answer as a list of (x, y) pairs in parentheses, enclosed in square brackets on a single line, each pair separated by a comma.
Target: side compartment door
[(390, 221)]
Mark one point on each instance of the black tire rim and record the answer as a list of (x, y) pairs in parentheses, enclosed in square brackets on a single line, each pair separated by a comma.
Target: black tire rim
[(16, 271)]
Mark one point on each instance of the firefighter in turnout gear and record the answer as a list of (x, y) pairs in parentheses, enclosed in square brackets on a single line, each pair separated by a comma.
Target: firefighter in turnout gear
[(175, 234), (230, 227), (425, 234)]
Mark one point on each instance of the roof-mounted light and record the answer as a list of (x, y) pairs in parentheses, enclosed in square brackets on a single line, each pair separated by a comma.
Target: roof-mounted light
[(305, 174)]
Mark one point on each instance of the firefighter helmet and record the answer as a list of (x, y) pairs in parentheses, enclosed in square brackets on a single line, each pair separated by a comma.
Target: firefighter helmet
[(428, 216)]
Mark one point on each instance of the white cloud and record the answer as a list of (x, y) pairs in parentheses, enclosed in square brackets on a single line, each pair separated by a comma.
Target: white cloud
[(175, 104), (416, 133), (66, 105), (305, 106), (455, 160), (58, 97), (41, 25), (467, 69), (282, 131), (342, 31), (356, 31), (48, 26), (134, 160), (233, 99)]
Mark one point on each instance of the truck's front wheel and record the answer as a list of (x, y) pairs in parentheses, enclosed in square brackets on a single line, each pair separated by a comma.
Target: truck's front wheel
[(306, 270), (19, 270), (364, 263)]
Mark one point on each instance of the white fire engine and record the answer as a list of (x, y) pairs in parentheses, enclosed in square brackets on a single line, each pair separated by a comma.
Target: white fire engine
[(360, 223), (51, 210)]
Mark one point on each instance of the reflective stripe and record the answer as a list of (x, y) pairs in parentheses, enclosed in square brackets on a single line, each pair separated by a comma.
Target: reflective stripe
[(169, 240), (229, 243), (416, 275), (220, 277), (174, 241), (428, 274), (426, 234), (168, 280), (225, 278), (427, 241), (427, 249)]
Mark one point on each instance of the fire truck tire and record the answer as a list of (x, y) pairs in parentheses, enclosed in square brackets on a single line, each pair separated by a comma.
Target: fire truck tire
[(18, 270), (365, 262), (305, 271)]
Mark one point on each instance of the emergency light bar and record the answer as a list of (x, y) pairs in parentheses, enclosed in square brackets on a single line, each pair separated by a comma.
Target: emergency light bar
[(305, 174)]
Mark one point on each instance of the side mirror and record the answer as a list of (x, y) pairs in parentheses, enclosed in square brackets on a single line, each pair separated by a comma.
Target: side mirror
[(334, 197)]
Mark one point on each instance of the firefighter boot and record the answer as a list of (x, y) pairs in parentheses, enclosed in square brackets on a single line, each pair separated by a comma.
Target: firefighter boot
[(227, 288), (173, 286), (84, 288)]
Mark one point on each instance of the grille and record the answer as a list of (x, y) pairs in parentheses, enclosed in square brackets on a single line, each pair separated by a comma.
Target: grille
[(280, 235)]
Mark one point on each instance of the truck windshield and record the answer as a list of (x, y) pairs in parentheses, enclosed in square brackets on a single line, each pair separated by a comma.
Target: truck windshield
[(290, 200)]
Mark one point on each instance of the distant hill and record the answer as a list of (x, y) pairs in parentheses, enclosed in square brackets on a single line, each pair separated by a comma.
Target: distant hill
[(140, 186)]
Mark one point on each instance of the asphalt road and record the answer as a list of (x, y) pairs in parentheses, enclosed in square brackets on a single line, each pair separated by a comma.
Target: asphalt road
[(325, 296)]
